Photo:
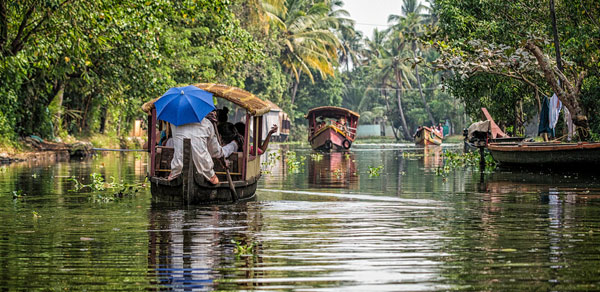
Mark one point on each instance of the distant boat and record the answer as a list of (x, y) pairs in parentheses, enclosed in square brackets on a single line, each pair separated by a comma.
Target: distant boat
[(331, 128), (583, 155), (428, 136)]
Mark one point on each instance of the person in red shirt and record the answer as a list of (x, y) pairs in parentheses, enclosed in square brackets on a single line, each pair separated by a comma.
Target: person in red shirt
[(241, 129)]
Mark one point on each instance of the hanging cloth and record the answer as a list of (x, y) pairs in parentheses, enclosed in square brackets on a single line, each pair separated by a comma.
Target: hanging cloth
[(554, 111), (544, 126)]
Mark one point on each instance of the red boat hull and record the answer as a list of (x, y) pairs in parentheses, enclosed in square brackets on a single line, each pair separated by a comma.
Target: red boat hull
[(330, 138)]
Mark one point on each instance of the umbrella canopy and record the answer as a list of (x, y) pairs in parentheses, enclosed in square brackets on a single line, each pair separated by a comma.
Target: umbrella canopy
[(184, 105)]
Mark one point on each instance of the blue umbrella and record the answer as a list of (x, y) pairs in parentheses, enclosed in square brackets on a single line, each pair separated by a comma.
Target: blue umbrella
[(184, 105)]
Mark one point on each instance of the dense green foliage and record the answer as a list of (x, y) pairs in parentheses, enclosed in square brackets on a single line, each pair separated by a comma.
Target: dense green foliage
[(83, 67), (500, 85)]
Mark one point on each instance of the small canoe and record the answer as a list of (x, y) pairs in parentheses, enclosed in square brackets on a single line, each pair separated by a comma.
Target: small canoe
[(428, 136), (574, 156)]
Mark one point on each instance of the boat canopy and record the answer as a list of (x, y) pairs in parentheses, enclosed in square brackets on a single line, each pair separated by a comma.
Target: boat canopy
[(331, 112), (254, 105)]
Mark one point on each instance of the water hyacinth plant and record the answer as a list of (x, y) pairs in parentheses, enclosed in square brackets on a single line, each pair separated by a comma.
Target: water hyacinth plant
[(374, 171), (118, 188), (242, 249), (294, 163), (316, 156)]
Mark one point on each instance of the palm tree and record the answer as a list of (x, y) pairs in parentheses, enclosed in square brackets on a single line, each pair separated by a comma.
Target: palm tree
[(351, 40), (309, 43), (410, 26), (373, 47), (393, 65), (351, 47)]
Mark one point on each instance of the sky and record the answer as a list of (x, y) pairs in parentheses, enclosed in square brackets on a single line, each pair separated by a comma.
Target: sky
[(371, 14)]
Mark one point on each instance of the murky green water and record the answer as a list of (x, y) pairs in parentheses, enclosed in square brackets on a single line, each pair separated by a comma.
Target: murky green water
[(324, 225)]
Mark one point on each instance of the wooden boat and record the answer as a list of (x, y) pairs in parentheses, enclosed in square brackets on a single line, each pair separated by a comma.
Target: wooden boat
[(481, 133), (331, 127), (191, 187), (547, 154), (428, 136)]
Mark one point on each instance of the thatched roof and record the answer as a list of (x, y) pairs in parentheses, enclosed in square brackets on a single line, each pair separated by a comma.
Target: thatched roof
[(331, 112), (273, 106), (254, 105)]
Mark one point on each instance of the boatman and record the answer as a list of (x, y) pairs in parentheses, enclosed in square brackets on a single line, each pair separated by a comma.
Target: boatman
[(205, 146)]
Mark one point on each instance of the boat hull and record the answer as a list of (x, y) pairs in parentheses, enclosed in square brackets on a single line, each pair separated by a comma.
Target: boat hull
[(330, 138), (199, 191), (547, 155), (426, 136), (192, 188)]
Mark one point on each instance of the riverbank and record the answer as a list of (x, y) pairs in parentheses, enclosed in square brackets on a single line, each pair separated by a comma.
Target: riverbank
[(35, 149)]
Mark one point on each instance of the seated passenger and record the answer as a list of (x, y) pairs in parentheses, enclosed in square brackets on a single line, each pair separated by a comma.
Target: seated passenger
[(241, 129), (165, 134), (342, 124), (205, 146)]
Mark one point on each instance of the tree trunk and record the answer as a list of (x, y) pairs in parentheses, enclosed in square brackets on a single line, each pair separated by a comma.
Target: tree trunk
[(3, 27), (401, 110), (427, 109), (555, 33), (55, 106), (387, 106), (294, 90), (104, 112), (569, 96), (295, 83)]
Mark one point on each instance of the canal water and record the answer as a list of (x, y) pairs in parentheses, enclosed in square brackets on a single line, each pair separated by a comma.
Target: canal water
[(380, 218)]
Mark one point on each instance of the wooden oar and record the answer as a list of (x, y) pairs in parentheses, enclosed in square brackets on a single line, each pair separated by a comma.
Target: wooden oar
[(234, 196)]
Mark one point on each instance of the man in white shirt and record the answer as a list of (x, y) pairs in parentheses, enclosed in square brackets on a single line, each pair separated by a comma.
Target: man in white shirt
[(205, 146)]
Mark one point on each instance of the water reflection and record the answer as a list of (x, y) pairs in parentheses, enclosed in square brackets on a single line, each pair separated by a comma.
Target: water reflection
[(432, 156), (194, 248), (409, 228), (333, 170)]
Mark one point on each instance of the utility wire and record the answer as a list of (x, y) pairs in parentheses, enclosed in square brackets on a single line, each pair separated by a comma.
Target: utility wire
[(373, 24), (391, 88)]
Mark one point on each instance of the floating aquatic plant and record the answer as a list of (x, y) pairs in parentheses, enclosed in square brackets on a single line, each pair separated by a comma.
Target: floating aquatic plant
[(338, 173), (294, 163), (118, 188), (242, 249), (272, 158), (411, 154), (316, 156), (18, 194), (374, 171)]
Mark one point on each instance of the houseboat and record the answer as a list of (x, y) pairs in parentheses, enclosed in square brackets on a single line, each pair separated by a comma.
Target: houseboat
[(191, 187), (331, 128)]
